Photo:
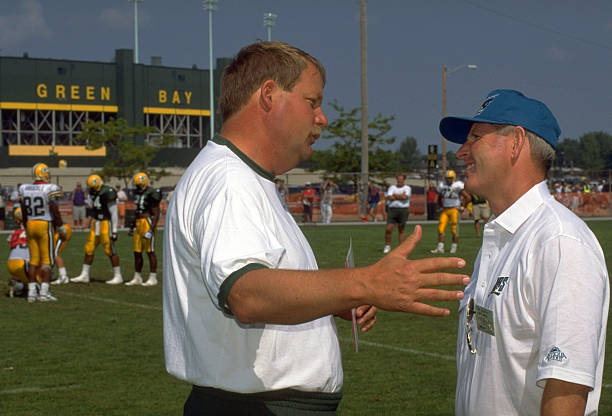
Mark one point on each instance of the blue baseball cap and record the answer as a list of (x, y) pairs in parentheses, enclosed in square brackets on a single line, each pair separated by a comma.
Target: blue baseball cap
[(506, 107)]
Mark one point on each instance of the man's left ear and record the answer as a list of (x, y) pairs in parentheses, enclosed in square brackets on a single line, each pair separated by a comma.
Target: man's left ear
[(265, 94)]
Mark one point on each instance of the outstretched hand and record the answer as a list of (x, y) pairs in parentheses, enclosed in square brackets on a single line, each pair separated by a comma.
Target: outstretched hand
[(399, 284)]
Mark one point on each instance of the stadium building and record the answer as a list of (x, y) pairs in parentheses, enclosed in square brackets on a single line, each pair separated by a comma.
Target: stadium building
[(44, 103)]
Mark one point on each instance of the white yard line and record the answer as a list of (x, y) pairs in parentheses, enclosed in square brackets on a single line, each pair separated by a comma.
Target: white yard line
[(39, 389)]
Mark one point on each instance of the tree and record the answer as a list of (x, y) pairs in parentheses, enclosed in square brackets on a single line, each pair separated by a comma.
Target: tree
[(596, 150), (592, 150), (125, 158), (409, 155), (344, 155)]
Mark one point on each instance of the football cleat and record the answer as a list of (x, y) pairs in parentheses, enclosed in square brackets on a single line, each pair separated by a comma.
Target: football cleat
[(117, 280), (47, 298), (136, 281), (62, 280), (94, 183), (141, 180), (386, 249), (151, 282), (40, 172), (437, 250), (82, 278), (453, 248)]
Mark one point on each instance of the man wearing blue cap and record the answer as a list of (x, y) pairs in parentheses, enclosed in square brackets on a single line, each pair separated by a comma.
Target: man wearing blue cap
[(532, 325)]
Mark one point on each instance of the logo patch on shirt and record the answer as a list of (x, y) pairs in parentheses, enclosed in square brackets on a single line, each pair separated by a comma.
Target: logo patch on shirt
[(499, 285), (555, 354)]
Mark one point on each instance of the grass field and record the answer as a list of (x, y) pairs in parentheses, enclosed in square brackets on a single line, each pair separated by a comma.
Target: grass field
[(98, 350)]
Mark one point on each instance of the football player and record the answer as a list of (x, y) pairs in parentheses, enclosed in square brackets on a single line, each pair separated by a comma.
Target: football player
[(102, 229), (143, 228), (40, 210), (19, 255), (59, 244), (452, 199)]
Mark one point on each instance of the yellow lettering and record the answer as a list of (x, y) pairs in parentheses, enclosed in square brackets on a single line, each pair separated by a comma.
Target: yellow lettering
[(89, 93), (60, 91), (176, 98), (105, 93), (75, 92), (41, 90), (162, 96), (188, 97)]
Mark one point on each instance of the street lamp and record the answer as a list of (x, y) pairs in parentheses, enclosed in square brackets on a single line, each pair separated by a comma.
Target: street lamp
[(269, 21), (211, 6), (136, 29), (445, 72)]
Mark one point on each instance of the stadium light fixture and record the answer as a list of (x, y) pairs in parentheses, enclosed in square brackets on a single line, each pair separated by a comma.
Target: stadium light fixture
[(269, 20), (210, 6), (445, 72)]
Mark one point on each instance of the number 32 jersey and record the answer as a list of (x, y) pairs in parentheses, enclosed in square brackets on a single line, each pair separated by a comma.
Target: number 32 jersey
[(35, 199)]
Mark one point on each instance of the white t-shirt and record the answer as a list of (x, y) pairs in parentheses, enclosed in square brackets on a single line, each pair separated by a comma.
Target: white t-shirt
[(399, 203), (451, 194), (541, 293), (225, 217)]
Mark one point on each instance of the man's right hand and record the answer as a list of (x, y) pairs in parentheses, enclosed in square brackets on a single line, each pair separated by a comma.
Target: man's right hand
[(399, 284)]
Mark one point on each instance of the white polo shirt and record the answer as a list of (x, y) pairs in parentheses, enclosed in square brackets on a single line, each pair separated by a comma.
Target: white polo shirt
[(541, 293), (224, 219), (397, 190)]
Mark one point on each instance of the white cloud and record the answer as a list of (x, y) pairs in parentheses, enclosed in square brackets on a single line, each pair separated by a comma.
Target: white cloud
[(26, 23)]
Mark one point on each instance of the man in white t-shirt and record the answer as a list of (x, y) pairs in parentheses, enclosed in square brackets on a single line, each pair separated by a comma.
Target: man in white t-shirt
[(248, 318), (398, 210), (532, 326)]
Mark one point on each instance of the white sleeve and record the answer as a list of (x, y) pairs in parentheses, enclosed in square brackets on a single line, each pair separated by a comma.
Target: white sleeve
[(241, 235), (570, 297)]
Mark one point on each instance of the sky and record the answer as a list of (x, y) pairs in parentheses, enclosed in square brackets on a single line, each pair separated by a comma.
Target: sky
[(557, 51)]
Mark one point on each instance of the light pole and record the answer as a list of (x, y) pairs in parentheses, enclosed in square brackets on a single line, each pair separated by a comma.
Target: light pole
[(136, 60), (269, 21), (365, 161), (445, 72), (211, 6)]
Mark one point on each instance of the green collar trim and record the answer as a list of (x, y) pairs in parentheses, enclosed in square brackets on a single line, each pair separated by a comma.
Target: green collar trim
[(258, 169)]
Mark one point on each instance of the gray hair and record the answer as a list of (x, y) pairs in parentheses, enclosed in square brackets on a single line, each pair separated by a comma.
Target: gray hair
[(541, 151)]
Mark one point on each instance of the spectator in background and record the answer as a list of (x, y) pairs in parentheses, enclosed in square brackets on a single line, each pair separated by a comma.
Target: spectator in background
[(481, 211), (78, 206), (121, 199), (373, 200), (308, 202), (399, 206), (327, 200), (15, 196), (282, 192), (432, 202)]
